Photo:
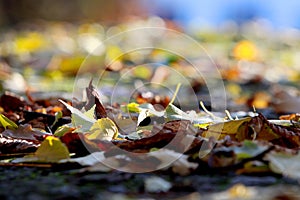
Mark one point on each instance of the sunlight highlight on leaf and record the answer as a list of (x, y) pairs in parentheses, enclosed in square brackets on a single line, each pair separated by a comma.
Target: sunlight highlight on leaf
[(103, 129), (7, 123), (79, 118), (51, 150)]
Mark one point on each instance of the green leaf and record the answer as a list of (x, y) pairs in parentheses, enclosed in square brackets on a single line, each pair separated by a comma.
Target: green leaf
[(7, 123), (133, 107), (174, 112), (60, 131), (91, 112), (79, 118), (103, 129), (142, 72)]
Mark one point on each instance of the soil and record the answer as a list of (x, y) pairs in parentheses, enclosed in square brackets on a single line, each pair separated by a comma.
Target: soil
[(48, 183)]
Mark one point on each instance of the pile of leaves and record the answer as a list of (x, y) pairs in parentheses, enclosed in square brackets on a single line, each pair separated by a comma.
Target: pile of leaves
[(142, 136)]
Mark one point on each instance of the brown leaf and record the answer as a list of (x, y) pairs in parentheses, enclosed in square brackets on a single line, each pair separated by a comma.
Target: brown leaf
[(25, 132), (43, 121), (12, 145), (288, 137), (99, 110), (93, 97), (161, 137)]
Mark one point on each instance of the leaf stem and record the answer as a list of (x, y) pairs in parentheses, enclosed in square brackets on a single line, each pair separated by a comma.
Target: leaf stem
[(175, 93), (206, 111)]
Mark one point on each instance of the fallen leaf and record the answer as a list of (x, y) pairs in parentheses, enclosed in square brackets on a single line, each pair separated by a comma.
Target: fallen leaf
[(285, 164), (248, 149), (51, 150), (25, 132), (236, 129), (12, 145), (62, 130), (103, 129), (77, 143), (11, 102), (93, 98), (7, 123), (79, 118), (285, 136)]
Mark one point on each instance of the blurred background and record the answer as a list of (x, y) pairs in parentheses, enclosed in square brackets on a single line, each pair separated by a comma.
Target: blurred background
[(190, 13), (254, 44)]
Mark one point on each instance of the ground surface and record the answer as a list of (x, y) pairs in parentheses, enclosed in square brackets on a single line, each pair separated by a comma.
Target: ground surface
[(37, 183)]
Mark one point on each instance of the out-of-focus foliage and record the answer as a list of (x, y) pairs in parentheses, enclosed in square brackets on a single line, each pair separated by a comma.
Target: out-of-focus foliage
[(253, 63)]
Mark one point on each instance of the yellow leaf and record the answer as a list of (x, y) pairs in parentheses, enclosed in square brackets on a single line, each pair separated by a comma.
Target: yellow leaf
[(31, 42), (142, 72), (7, 123), (233, 127), (133, 107), (113, 54), (52, 150), (103, 129)]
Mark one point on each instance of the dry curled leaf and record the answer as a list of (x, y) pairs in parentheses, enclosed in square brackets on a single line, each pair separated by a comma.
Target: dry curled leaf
[(25, 132), (93, 98), (10, 145)]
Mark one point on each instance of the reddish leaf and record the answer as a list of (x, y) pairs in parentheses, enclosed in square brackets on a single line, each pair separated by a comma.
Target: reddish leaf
[(11, 102), (75, 144)]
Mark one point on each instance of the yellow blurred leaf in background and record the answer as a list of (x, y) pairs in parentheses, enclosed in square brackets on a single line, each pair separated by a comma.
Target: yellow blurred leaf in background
[(31, 42), (113, 53), (142, 72), (245, 50)]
